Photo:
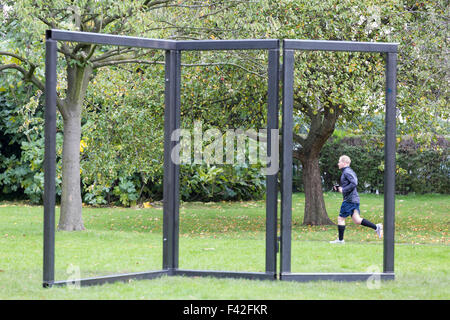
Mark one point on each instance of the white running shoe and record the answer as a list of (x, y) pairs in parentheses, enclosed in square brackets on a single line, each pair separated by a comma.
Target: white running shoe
[(338, 241), (379, 230)]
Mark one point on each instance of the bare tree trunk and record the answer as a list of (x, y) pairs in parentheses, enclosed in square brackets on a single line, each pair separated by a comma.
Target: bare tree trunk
[(321, 128), (71, 205), (315, 211), (70, 218)]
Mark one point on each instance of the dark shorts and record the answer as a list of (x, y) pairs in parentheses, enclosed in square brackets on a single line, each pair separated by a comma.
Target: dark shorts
[(347, 209)]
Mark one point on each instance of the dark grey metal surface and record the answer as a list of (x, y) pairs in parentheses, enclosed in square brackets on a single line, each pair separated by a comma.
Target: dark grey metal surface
[(113, 278), (389, 160), (168, 169), (272, 179), (171, 182), (286, 168), (248, 44), (303, 277), (116, 40), (225, 274), (50, 162), (325, 45), (108, 39)]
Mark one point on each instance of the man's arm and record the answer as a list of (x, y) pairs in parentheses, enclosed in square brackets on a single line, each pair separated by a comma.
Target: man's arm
[(353, 182)]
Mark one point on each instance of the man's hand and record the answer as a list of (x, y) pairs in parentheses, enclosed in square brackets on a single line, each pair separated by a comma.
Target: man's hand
[(340, 189)]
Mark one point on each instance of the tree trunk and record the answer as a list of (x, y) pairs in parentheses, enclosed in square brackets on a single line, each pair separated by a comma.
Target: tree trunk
[(315, 211), (71, 204), (70, 218)]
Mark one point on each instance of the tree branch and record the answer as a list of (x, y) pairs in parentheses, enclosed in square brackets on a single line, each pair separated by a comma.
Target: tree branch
[(222, 64), (4, 53), (28, 76), (116, 62), (216, 12), (299, 139), (48, 23), (303, 107), (149, 3), (112, 53), (91, 52)]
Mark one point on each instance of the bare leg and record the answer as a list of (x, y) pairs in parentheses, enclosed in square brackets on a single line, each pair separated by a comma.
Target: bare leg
[(356, 217), (366, 223)]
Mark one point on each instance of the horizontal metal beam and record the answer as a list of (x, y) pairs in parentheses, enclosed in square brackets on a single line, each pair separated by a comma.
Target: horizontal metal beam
[(116, 40), (225, 274), (304, 277), (325, 45), (244, 44), (108, 39), (110, 279), (247, 44), (301, 277)]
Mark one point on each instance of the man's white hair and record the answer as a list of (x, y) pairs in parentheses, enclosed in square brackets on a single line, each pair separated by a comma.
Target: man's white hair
[(345, 159)]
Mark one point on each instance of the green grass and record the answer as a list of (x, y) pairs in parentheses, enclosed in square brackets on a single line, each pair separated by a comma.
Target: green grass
[(228, 236)]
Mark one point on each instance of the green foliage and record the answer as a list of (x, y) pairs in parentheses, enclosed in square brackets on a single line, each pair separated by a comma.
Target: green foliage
[(424, 170), (418, 169), (354, 81), (220, 84), (122, 120), (122, 135), (221, 183), (366, 158), (22, 154)]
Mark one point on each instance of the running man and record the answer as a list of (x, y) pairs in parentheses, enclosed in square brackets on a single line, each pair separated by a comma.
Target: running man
[(350, 205)]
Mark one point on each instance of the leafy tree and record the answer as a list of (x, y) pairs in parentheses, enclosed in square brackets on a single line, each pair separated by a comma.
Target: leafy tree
[(330, 88), (22, 142), (124, 115), (348, 88), (23, 28)]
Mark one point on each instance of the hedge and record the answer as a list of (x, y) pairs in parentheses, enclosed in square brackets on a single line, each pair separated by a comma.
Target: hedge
[(418, 169)]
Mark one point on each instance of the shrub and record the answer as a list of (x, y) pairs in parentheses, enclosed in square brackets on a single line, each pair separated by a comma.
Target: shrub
[(224, 182), (419, 169)]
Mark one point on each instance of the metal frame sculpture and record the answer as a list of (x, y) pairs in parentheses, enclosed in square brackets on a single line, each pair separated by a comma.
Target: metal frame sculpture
[(171, 182), (390, 50)]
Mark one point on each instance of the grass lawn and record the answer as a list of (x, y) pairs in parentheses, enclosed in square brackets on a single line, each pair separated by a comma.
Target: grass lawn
[(228, 236)]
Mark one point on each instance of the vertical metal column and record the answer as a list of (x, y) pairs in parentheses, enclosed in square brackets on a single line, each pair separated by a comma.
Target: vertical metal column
[(176, 178), (171, 182), (389, 160), (271, 179), (50, 162), (286, 173)]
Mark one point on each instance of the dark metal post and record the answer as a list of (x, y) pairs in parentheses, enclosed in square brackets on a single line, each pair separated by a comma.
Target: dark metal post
[(171, 170), (286, 173), (167, 166), (50, 162), (389, 160), (176, 178), (271, 179)]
